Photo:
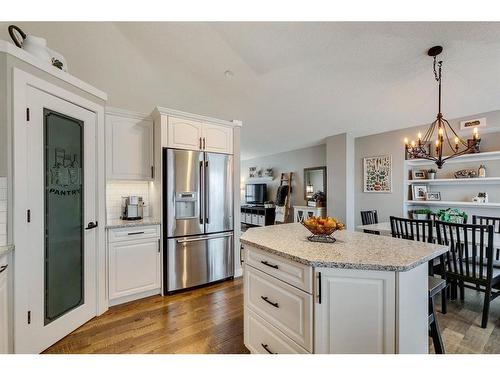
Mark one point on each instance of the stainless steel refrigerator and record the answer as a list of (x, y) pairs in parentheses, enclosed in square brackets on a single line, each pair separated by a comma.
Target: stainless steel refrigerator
[(198, 218)]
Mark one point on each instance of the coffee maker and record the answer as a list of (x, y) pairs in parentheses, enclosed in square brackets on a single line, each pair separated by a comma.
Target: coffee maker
[(132, 207)]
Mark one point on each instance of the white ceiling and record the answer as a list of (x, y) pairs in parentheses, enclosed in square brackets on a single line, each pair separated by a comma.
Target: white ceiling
[(294, 83)]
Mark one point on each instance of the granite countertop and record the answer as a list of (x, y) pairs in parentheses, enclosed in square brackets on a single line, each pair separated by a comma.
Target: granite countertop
[(119, 223), (353, 250), (6, 249)]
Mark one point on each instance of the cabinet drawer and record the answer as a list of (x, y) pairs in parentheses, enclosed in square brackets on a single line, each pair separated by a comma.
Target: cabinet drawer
[(296, 274), (133, 233), (287, 308), (255, 219), (261, 220), (262, 338)]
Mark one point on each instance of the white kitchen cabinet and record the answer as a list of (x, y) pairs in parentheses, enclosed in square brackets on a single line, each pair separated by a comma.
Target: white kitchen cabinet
[(184, 134), (355, 311), (134, 264), (196, 135), (4, 306), (129, 146), (217, 138)]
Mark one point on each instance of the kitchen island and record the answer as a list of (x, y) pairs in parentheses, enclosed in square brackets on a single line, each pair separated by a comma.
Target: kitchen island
[(362, 294)]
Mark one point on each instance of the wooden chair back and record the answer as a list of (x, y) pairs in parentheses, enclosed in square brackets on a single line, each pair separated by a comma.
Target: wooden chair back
[(412, 229), (369, 217), (470, 255)]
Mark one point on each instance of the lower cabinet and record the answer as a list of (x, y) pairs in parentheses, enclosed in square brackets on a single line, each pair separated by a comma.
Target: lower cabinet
[(293, 308), (134, 266), (4, 306), (356, 312)]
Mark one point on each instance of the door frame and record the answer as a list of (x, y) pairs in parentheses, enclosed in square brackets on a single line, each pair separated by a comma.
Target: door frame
[(21, 81)]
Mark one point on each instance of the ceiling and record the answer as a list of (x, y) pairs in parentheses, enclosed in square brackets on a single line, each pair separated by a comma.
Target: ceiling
[(294, 83)]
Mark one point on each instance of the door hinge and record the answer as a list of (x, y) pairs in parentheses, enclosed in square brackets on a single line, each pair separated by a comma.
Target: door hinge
[(152, 172), (28, 216), (27, 114), (29, 317), (159, 245)]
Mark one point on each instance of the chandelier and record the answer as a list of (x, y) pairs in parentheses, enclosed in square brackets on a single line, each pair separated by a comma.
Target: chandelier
[(445, 134)]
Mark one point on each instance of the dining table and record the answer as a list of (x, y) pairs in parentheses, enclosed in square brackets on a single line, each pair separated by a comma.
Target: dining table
[(384, 228)]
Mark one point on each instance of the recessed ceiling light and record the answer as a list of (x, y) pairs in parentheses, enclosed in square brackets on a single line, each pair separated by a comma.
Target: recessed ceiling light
[(229, 74)]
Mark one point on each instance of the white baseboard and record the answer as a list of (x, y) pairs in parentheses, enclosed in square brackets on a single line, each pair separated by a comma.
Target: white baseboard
[(119, 301)]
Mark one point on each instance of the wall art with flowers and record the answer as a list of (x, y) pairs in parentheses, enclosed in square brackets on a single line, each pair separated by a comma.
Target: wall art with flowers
[(377, 174)]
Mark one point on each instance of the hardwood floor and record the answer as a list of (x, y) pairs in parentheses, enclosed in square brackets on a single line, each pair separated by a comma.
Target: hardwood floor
[(207, 320), (210, 320)]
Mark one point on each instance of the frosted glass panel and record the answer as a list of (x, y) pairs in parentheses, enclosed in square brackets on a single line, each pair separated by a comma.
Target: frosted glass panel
[(63, 138)]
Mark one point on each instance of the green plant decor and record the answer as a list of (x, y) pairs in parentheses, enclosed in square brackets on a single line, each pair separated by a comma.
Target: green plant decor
[(452, 215), (423, 211)]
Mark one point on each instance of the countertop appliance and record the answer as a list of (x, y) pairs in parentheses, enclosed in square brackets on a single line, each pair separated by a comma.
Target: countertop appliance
[(198, 217), (132, 208)]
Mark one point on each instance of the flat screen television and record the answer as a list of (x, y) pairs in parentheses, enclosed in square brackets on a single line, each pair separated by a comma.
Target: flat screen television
[(255, 193)]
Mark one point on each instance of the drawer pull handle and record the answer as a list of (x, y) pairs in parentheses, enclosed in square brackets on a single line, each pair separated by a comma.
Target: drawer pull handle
[(3, 268), (132, 233), (266, 263), (266, 347), (275, 304)]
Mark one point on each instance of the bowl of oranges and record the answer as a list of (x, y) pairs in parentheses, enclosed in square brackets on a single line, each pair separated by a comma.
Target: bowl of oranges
[(322, 228)]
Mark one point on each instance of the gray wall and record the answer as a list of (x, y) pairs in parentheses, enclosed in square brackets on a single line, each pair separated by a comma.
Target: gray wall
[(292, 161), (392, 143)]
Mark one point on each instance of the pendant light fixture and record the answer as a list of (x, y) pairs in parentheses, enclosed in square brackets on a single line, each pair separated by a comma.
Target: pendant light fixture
[(445, 134)]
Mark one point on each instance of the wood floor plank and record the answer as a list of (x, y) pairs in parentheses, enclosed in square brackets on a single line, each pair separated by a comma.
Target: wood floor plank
[(210, 320)]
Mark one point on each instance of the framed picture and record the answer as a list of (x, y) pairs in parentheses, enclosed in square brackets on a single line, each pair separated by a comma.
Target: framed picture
[(419, 192), (252, 172), (418, 174), (377, 174), (435, 196)]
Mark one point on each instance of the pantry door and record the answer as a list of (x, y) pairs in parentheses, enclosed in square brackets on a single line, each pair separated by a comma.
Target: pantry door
[(59, 286)]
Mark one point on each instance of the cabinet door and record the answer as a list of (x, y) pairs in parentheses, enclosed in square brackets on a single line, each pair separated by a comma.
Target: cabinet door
[(354, 311), (217, 138), (129, 144), (4, 308), (134, 267), (184, 134)]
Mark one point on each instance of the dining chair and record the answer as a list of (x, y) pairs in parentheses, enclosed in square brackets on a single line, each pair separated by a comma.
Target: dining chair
[(469, 261), (422, 230), (369, 217), (489, 220)]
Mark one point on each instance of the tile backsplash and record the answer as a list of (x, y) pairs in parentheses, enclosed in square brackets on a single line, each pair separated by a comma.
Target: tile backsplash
[(115, 190), (3, 211)]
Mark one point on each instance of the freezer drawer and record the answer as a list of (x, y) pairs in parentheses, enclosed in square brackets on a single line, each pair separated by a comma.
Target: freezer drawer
[(193, 261)]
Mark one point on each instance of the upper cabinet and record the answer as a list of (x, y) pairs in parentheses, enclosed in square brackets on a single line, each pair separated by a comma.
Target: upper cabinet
[(197, 135), (217, 138), (185, 134), (129, 145)]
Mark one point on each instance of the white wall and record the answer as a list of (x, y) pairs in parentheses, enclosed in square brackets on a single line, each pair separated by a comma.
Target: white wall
[(292, 161)]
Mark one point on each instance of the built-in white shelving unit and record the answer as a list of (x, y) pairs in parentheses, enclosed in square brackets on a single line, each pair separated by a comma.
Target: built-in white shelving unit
[(457, 181), (256, 180), (452, 204), (456, 192)]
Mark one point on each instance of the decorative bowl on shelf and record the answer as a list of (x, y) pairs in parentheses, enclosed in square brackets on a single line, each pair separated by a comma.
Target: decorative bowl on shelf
[(322, 229)]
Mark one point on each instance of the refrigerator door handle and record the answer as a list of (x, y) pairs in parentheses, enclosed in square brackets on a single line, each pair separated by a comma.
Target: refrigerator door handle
[(201, 198), (207, 194), (204, 238)]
